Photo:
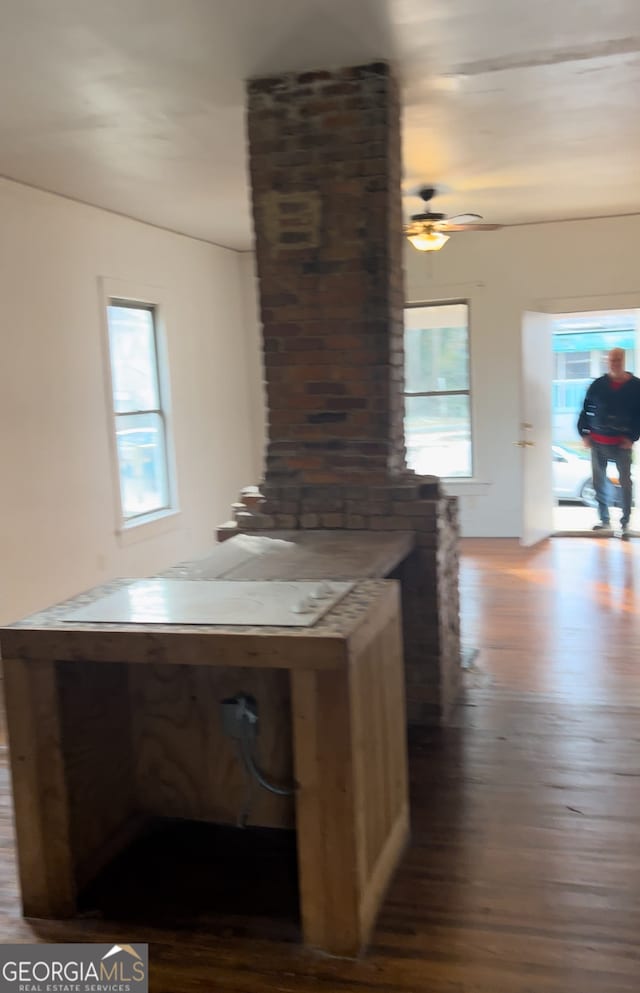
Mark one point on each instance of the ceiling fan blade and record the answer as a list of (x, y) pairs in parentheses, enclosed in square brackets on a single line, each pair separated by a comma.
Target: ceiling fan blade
[(470, 227), (465, 218)]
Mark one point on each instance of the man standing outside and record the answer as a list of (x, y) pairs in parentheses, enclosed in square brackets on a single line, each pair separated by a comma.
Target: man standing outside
[(609, 423)]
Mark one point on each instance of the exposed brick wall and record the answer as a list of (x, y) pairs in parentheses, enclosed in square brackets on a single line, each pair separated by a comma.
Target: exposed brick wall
[(325, 173), (431, 615), (428, 577)]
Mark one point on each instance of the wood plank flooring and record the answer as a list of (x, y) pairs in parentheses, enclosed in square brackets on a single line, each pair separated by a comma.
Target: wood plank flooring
[(523, 875)]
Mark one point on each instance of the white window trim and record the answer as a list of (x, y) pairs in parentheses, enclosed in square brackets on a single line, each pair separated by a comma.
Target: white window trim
[(159, 521), (465, 482)]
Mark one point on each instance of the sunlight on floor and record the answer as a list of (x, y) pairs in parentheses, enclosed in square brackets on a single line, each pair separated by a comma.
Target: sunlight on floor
[(576, 517)]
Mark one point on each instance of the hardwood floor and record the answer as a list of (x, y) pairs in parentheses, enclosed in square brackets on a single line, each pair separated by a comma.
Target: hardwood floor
[(523, 875)]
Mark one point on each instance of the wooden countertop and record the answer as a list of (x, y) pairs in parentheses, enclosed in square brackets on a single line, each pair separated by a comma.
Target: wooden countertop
[(48, 634), (337, 555), (278, 555)]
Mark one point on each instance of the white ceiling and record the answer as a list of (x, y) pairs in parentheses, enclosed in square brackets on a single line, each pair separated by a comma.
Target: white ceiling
[(524, 111)]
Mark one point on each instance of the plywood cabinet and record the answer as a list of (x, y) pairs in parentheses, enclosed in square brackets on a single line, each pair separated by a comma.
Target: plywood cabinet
[(111, 724)]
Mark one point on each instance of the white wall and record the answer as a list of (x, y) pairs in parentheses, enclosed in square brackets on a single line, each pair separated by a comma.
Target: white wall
[(57, 515), (561, 267)]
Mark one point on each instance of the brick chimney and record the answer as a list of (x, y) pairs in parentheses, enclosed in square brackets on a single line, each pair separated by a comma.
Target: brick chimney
[(325, 173), (325, 176)]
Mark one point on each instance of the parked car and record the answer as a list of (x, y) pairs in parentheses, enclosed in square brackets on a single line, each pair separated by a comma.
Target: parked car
[(572, 477)]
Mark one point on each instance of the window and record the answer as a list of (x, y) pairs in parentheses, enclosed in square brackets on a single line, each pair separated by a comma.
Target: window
[(437, 423), (572, 375), (139, 416), (573, 365)]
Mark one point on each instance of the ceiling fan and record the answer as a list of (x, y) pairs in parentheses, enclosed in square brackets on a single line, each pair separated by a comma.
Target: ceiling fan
[(429, 231)]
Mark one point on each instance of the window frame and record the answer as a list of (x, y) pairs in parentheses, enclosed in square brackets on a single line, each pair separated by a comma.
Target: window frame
[(432, 304), (117, 293)]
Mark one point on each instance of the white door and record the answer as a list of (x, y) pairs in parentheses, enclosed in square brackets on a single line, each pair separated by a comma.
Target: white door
[(534, 438)]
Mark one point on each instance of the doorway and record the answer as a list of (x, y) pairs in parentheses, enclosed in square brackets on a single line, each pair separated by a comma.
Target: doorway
[(580, 344)]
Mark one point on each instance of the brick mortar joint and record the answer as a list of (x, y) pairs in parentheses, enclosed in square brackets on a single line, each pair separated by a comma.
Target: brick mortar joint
[(319, 77)]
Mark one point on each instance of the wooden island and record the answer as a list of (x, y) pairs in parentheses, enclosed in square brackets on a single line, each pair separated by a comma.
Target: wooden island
[(114, 724)]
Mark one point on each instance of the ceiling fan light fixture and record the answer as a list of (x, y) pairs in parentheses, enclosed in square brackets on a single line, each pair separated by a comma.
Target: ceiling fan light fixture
[(428, 241), (426, 230)]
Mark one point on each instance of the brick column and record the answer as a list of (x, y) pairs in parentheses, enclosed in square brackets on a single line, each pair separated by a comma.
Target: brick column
[(325, 174)]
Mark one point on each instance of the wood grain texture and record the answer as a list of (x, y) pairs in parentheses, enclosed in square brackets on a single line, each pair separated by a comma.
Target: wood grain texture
[(97, 749), (351, 764), (523, 872), (40, 789), (141, 742), (184, 764), (50, 634), (377, 695), (216, 647), (325, 816)]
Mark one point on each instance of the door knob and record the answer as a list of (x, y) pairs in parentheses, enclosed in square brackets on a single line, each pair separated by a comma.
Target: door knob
[(525, 444)]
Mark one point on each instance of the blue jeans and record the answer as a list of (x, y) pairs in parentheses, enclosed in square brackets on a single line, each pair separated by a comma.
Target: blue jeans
[(600, 456)]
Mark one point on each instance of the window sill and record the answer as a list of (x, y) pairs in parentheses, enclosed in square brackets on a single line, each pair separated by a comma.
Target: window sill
[(149, 526)]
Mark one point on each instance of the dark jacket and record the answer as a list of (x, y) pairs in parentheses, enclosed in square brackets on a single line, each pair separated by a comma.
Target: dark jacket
[(611, 412)]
